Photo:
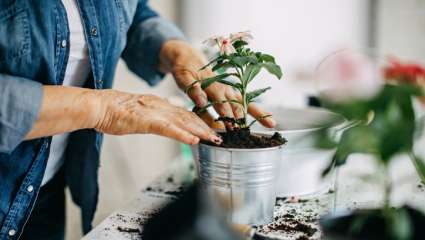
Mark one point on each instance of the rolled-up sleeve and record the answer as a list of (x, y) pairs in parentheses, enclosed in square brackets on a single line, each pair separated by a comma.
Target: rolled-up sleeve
[(20, 102), (145, 38)]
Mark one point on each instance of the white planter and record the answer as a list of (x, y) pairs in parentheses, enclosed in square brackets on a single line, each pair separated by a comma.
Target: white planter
[(302, 163)]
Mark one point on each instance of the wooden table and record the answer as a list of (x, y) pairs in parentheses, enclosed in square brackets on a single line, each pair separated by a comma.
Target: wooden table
[(356, 187)]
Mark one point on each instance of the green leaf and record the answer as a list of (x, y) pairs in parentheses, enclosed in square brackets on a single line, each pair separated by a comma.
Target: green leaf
[(207, 82), (239, 43), (399, 224), (358, 139), (394, 124), (238, 86), (324, 139), (256, 93), (239, 61), (273, 68), (250, 73), (267, 58), (222, 67), (419, 165)]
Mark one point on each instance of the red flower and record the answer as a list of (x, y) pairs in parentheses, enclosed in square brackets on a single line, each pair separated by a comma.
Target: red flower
[(404, 72)]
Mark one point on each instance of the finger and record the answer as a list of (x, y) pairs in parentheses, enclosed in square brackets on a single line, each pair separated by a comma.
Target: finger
[(257, 113), (197, 127), (236, 107), (195, 92), (223, 108), (168, 129), (198, 96), (212, 135), (210, 121)]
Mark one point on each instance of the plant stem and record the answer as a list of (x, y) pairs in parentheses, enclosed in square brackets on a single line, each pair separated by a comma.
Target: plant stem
[(245, 107), (244, 98), (387, 187)]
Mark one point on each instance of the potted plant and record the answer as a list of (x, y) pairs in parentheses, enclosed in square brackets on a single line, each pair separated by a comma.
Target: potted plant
[(382, 100), (243, 168)]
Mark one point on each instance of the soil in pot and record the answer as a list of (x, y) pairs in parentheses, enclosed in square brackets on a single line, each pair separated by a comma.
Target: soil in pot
[(242, 138), (371, 224)]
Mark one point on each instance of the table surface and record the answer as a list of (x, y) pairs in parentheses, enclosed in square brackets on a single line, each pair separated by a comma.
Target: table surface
[(356, 187)]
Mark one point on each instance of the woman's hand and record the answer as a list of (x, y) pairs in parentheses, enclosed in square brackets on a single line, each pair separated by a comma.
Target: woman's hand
[(123, 113), (184, 62), (67, 109)]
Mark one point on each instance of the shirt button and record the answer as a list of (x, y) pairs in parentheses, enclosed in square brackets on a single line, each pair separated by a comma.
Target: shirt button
[(63, 43), (93, 31), (30, 188), (12, 232)]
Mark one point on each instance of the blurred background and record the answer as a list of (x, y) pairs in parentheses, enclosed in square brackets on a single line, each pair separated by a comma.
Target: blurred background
[(298, 32)]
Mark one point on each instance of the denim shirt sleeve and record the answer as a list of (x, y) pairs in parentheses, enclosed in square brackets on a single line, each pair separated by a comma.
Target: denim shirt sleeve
[(145, 38), (20, 101)]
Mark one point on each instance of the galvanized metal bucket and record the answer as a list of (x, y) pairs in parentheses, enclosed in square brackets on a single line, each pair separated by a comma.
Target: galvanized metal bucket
[(245, 179)]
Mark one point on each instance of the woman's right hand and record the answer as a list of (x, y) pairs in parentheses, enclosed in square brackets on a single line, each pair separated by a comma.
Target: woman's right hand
[(120, 113)]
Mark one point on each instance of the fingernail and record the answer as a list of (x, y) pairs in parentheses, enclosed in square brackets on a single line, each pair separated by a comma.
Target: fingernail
[(216, 139), (271, 122)]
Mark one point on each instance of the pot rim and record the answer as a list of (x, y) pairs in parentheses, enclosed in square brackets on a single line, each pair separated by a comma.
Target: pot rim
[(242, 149), (340, 123)]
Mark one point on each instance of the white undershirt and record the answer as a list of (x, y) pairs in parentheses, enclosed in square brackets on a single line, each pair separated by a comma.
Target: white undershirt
[(76, 73)]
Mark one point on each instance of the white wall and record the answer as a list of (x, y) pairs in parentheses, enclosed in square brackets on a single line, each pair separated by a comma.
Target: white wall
[(297, 32), (402, 28)]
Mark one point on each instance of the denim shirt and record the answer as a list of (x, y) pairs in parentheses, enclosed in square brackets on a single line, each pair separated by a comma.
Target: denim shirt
[(34, 48)]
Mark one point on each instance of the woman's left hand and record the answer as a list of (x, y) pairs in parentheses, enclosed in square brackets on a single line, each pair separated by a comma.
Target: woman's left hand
[(184, 62)]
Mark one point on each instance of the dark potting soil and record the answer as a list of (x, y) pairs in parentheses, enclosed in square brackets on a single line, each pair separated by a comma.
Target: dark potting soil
[(128, 230), (242, 138), (294, 226), (289, 223)]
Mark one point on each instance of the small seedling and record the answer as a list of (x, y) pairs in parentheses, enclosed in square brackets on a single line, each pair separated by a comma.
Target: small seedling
[(237, 66)]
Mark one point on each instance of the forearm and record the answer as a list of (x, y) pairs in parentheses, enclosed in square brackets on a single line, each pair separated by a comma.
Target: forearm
[(65, 109)]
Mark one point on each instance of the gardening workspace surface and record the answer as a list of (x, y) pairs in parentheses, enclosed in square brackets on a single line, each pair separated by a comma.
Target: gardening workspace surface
[(295, 217)]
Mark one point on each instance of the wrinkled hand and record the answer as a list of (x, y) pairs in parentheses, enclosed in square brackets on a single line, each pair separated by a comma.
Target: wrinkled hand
[(184, 62), (123, 113)]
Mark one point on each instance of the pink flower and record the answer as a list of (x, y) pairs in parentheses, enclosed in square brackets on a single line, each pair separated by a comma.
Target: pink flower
[(348, 75), (244, 36), (212, 41), (226, 46)]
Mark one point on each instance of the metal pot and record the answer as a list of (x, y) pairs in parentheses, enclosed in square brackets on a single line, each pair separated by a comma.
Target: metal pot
[(244, 179), (302, 162)]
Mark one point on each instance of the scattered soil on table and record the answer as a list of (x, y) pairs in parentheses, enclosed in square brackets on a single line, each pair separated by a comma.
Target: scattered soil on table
[(155, 189), (178, 193), (289, 224), (294, 227), (242, 138), (128, 230), (170, 179), (281, 199)]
